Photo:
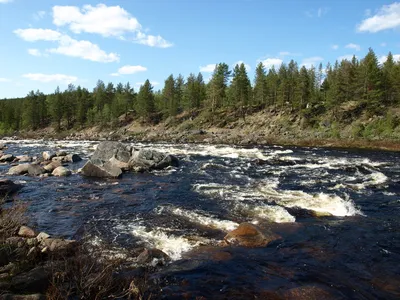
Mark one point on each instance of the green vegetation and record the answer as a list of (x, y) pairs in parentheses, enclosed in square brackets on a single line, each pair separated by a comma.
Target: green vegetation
[(361, 93)]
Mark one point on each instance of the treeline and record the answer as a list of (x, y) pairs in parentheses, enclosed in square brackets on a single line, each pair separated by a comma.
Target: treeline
[(365, 86)]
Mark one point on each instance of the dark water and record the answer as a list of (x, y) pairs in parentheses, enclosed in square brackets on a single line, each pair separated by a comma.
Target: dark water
[(337, 213)]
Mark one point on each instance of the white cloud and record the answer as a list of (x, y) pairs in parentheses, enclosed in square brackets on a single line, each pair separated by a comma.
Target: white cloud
[(152, 41), (66, 45), (126, 70), (100, 19), (335, 47), (383, 44), (6, 1), (382, 59), (108, 21), (311, 61), (348, 57), (248, 68), (83, 49), (353, 46), (39, 34), (388, 17), (270, 62), (39, 15), (46, 78), (34, 52), (287, 53), (2, 79), (208, 68)]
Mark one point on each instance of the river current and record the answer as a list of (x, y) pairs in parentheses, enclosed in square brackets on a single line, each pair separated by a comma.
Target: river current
[(337, 213)]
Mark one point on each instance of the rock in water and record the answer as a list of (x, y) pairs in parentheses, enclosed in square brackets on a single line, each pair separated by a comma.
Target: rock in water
[(248, 235), (35, 170), (7, 158), (151, 160), (107, 150), (8, 187), (72, 158), (48, 156), (61, 172), (24, 158), (52, 166), (153, 257), (2, 146), (95, 168), (19, 170)]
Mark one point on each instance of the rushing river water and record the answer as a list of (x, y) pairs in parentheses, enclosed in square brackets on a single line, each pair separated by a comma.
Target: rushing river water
[(337, 213)]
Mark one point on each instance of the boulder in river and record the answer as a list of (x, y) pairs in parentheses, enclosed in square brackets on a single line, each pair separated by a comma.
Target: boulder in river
[(8, 187), (48, 156), (2, 146), (248, 235), (61, 172), (95, 168), (19, 170), (7, 158), (35, 170), (51, 166), (153, 257), (23, 158), (151, 160), (107, 150), (72, 158)]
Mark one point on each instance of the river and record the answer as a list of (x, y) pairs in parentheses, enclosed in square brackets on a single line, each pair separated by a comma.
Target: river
[(337, 213)]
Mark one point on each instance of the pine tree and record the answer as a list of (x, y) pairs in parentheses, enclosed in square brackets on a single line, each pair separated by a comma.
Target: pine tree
[(169, 96), (260, 91), (145, 101)]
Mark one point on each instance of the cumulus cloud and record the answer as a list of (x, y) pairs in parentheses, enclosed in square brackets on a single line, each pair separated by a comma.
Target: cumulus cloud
[(353, 46), (6, 1), (46, 78), (83, 49), (382, 59), (128, 69), (108, 21), (34, 52), (388, 17), (38, 34), (311, 61), (66, 45), (272, 62), (208, 68)]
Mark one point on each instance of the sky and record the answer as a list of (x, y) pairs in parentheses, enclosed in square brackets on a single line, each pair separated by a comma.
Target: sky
[(45, 44)]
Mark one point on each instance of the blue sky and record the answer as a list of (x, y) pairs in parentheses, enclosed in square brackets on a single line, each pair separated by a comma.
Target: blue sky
[(48, 43)]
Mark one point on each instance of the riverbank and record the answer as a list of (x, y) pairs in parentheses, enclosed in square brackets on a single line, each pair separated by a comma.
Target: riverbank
[(262, 128)]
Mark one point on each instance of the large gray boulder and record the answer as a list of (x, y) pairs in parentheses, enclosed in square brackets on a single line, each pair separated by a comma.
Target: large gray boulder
[(19, 170), (35, 170), (146, 159), (61, 172), (96, 168), (108, 149)]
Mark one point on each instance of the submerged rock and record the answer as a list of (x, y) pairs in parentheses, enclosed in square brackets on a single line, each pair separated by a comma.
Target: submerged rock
[(248, 235), (153, 257), (8, 187)]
